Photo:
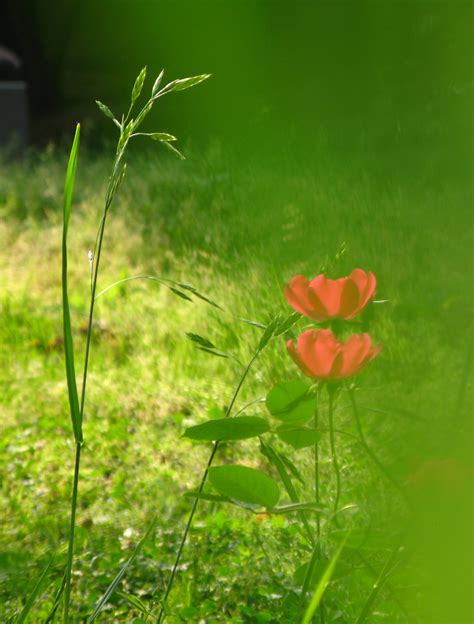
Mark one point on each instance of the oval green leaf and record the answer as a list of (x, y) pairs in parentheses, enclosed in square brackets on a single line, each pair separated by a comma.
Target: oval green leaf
[(300, 438), (238, 428), (245, 484), (291, 402)]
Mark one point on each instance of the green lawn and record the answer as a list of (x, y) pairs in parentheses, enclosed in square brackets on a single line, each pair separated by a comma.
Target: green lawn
[(237, 233)]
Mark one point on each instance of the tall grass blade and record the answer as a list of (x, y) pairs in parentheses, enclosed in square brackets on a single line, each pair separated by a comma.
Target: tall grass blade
[(322, 585), (68, 342), (34, 594), (123, 570)]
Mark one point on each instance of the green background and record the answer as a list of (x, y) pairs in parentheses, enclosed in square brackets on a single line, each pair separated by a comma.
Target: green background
[(395, 77)]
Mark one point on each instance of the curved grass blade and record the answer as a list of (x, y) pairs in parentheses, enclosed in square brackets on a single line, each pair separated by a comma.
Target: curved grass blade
[(34, 594), (276, 460), (68, 342), (115, 583), (321, 587)]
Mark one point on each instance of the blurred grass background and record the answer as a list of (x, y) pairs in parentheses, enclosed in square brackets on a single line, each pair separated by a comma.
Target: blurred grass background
[(324, 126)]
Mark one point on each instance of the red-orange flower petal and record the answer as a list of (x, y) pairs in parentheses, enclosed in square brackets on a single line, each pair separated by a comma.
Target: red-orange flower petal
[(322, 299), (320, 355), (299, 296)]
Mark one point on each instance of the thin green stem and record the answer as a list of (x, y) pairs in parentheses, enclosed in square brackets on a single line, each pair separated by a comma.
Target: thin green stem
[(332, 441), (367, 448), (91, 310), (317, 500), (70, 551), (161, 614), (316, 474)]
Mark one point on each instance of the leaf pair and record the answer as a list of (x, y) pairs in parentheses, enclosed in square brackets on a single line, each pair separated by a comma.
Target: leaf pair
[(293, 404)]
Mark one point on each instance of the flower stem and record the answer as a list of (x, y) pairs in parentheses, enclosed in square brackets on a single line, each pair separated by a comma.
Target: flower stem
[(331, 393), (161, 614), (317, 499)]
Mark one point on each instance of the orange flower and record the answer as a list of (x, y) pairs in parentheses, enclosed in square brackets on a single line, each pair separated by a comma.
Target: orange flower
[(322, 299), (319, 354)]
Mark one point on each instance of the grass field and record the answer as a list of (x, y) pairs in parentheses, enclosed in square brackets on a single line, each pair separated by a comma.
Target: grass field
[(237, 233)]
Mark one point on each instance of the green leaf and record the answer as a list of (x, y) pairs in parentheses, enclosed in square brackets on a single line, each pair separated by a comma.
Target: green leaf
[(291, 402), (185, 83), (321, 587), (244, 484), (198, 294), (297, 508), (292, 468), (173, 149), (238, 428), (278, 461), (161, 136), (105, 109), (157, 83), (299, 438), (204, 342), (179, 293), (316, 573), (138, 86), (74, 409), (287, 323), (253, 323), (212, 352), (269, 332)]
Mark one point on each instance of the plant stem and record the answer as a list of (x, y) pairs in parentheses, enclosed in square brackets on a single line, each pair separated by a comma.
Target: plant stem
[(367, 448), (70, 552), (331, 393), (316, 496), (91, 308), (169, 585), (316, 474)]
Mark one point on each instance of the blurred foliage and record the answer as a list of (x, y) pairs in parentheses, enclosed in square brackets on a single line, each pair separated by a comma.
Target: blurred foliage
[(385, 76)]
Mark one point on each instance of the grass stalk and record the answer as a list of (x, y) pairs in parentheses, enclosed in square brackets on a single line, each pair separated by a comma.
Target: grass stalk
[(72, 526)]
